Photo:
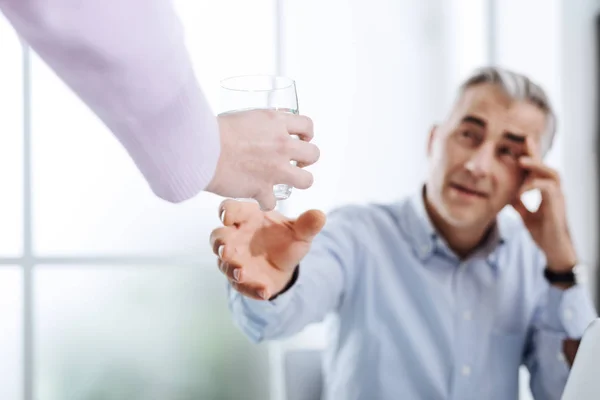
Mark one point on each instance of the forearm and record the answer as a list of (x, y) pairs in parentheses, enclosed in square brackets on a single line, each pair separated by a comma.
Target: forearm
[(307, 300), (127, 61), (325, 276)]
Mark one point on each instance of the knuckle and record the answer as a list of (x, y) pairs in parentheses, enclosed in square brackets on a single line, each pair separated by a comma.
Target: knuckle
[(269, 113), (283, 145)]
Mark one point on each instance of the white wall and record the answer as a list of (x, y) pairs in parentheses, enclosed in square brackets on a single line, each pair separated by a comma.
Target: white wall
[(579, 126), (11, 211), (369, 74)]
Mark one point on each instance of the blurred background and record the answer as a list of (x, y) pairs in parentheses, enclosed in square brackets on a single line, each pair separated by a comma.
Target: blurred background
[(108, 293)]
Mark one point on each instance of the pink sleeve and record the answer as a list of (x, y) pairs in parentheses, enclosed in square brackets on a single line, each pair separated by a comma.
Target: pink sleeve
[(126, 59)]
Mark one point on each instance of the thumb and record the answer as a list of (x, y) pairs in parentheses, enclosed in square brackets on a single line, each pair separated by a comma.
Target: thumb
[(266, 200), (309, 224)]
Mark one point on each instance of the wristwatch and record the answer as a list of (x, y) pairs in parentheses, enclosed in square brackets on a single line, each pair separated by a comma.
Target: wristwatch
[(573, 277)]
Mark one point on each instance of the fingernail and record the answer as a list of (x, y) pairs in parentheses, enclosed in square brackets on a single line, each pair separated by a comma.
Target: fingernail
[(220, 251), (222, 216), (236, 274), (263, 294)]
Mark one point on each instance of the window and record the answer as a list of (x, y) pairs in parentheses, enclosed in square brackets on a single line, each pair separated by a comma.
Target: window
[(11, 142), (107, 292), (11, 340)]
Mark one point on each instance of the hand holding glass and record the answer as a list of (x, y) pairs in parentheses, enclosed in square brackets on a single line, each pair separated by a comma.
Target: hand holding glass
[(252, 92)]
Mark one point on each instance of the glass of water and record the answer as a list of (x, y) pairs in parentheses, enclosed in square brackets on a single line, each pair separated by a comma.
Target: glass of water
[(251, 92)]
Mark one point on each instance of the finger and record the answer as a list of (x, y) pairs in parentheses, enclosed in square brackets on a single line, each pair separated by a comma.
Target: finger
[(232, 212), (254, 282), (538, 168), (232, 271), (296, 177), (218, 239), (520, 207), (266, 200), (309, 224), (304, 153), (299, 125), (546, 186), (253, 290)]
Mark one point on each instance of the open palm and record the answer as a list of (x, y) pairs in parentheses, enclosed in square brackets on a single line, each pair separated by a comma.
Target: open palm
[(259, 251)]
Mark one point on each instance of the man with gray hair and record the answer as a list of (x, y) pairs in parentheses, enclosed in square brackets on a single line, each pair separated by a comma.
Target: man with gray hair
[(445, 294)]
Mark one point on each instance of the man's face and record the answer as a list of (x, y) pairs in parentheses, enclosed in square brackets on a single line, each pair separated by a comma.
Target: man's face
[(473, 156)]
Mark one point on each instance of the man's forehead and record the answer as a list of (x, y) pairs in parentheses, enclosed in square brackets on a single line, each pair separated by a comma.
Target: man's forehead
[(489, 103)]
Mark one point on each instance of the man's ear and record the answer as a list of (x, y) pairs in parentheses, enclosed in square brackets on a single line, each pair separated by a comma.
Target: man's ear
[(431, 138)]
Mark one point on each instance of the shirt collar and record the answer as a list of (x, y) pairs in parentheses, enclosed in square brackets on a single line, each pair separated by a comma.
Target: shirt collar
[(426, 241)]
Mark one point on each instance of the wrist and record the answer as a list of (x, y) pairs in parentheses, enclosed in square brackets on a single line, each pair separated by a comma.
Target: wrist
[(215, 185), (567, 278), (289, 284), (562, 260)]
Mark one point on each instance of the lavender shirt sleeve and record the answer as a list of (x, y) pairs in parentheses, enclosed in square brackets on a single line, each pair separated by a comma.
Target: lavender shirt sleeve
[(127, 60)]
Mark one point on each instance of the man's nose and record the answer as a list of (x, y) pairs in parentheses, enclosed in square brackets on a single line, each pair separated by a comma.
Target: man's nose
[(480, 162)]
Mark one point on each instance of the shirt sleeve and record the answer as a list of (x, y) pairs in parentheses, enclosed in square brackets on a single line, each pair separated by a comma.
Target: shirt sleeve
[(561, 314), (128, 62), (325, 276)]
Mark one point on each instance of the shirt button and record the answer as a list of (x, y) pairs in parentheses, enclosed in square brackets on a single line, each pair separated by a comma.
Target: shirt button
[(466, 370), (467, 316), (568, 314), (561, 357), (424, 250)]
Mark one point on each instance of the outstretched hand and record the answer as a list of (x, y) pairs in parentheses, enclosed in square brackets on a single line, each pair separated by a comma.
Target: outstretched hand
[(259, 251)]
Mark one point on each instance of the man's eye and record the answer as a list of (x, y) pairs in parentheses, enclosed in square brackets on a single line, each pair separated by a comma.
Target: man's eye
[(469, 135), (507, 151)]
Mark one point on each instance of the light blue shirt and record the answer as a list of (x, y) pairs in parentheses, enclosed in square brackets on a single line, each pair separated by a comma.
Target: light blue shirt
[(410, 320)]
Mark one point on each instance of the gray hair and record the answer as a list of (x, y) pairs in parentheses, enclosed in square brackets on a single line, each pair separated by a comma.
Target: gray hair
[(517, 87)]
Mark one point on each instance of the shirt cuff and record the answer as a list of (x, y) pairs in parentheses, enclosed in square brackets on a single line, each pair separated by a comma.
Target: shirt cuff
[(570, 310), (177, 148), (255, 316)]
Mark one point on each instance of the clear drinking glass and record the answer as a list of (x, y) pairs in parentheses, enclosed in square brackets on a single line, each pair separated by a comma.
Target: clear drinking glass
[(250, 92)]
